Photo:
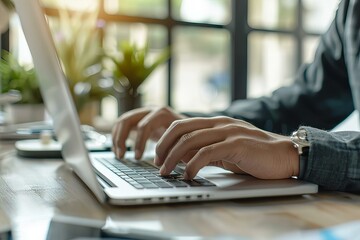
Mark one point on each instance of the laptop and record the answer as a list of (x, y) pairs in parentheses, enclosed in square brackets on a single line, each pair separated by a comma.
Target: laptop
[(126, 181)]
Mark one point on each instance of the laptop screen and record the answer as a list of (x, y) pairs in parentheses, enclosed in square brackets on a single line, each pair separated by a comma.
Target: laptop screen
[(55, 92)]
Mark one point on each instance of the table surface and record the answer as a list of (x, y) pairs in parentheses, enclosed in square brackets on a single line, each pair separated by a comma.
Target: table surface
[(33, 191)]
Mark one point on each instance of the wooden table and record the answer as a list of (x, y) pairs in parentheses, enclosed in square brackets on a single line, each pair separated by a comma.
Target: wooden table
[(32, 191)]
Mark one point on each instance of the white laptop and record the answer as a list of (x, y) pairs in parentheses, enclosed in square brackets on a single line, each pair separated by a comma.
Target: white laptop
[(126, 181)]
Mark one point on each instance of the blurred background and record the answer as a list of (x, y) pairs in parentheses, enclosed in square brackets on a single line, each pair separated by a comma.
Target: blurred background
[(220, 50)]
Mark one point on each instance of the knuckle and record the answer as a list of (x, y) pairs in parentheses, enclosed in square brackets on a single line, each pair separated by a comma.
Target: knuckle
[(176, 124), (224, 119), (205, 151), (125, 116), (143, 126), (232, 127), (187, 137), (163, 110)]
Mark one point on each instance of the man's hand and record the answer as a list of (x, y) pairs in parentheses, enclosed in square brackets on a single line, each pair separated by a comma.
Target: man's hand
[(149, 123), (229, 143)]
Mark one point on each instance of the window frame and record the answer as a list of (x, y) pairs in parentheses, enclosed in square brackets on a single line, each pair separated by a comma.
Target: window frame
[(239, 30)]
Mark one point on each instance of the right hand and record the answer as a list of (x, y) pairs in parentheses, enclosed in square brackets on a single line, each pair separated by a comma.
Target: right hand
[(149, 123)]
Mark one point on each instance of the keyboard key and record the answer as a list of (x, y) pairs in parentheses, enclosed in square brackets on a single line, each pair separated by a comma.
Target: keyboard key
[(138, 186), (176, 183), (163, 185), (144, 175), (149, 185), (204, 182)]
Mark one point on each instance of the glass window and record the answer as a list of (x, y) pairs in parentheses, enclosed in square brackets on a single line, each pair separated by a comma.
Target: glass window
[(310, 45), (201, 69), (143, 8), (318, 14), (273, 14), (202, 11), (76, 5), (18, 44), (272, 61), (154, 88)]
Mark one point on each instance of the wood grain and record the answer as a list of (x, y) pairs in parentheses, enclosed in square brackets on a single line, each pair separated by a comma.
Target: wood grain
[(32, 191)]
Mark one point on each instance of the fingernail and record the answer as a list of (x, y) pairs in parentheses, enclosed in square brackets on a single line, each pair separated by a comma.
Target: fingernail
[(163, 170)]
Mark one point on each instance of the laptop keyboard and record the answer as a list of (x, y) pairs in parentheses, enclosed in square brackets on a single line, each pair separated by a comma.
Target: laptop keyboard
[(143, 175)]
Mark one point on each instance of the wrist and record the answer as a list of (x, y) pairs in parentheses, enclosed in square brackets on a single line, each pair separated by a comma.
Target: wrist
[(294, 160)]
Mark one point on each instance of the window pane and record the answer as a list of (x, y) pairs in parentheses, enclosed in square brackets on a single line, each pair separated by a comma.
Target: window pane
[(318, 14), (271, 63), (148, 8), (77, 5), (310, 45), (154, 88), (201, 69), (204, 11), (273, 14)]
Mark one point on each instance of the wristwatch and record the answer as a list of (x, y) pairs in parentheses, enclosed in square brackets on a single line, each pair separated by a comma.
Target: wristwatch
[(299, 139), (301, 143)]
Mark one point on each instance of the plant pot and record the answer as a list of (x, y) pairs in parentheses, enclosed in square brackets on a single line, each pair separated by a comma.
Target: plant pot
[(4, 18), (89, 111), (127, 102), (23, 113)]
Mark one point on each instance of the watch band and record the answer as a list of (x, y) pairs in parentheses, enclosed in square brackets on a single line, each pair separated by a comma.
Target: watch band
[(301, 143)]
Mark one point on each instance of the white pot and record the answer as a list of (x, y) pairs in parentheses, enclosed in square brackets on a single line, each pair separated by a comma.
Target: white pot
[(4, 18), (22, 113)]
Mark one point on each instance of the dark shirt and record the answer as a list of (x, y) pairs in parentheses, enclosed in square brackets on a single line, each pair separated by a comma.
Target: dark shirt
[(323, 94)]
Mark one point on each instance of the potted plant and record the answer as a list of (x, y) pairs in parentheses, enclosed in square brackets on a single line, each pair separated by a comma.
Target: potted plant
[(24, 80), (78, 44), (131, 66)]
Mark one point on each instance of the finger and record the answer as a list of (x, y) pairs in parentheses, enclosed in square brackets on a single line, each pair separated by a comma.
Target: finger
[(206, 155), (121, 130), (175, 131), (147, 127), (189, 142), (188, 156), (120, 137)]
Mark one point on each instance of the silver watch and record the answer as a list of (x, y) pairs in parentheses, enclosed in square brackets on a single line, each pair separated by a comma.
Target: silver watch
[(299, 139)]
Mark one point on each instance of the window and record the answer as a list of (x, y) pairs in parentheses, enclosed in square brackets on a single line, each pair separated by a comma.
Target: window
[(221, 49), (283, 34)]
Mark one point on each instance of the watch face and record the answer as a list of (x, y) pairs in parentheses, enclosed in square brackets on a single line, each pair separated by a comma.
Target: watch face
[(301, 133), (299, 139)]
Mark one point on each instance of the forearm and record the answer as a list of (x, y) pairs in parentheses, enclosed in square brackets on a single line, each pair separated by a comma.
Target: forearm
[(334, 160), (319, 97)]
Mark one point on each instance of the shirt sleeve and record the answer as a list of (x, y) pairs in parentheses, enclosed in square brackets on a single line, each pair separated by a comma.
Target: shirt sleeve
[(319, 97), (333, 161)]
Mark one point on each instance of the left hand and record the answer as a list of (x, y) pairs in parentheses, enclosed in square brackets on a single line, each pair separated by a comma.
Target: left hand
[(229, 143)]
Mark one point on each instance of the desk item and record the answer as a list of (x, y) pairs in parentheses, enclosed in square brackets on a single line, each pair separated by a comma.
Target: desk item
[(12, 96), (65, 228), (5, 229), (30, 130), (37, 148), (346, 231), (127, 182)]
